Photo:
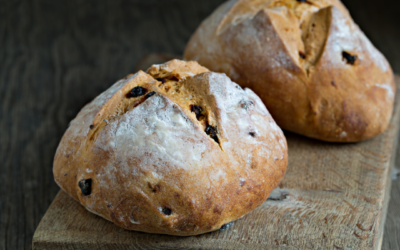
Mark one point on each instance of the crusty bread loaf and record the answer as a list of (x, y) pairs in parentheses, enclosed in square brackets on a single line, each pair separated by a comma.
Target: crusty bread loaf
[(179, 150), (314, 69)]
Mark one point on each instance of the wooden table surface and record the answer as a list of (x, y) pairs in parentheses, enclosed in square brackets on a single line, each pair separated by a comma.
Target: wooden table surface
[(55, 56)]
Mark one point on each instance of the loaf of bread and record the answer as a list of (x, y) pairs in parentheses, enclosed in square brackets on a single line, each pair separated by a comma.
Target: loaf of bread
[(314, 69), (178, 150)]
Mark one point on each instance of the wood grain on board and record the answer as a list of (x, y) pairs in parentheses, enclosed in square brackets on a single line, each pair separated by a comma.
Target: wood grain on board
[(55, 56), (333, 196)]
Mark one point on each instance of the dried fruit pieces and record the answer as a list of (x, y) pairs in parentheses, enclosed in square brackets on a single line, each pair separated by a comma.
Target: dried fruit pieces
[(86, 186), (137, 91)]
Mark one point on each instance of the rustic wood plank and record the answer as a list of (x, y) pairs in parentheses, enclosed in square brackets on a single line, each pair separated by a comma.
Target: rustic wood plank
[(387, 192), (332, 196), (55, 56), (391, 239)]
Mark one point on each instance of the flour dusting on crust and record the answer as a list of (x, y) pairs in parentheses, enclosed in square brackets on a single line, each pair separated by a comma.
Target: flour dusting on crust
[(308, 61), (159, 167)]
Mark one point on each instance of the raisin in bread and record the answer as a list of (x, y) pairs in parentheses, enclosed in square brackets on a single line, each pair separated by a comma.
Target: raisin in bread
[(314, 69), (178, 150)]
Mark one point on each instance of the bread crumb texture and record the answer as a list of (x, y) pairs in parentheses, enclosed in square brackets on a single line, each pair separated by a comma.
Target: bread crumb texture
[(178, 150), (314, 69)]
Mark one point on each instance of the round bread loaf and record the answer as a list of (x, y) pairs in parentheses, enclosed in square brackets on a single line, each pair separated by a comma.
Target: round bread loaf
[(314, 69), (178, 150)]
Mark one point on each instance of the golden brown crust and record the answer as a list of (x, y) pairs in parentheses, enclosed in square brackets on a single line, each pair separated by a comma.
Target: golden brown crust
[(156, 163), (311, 65)]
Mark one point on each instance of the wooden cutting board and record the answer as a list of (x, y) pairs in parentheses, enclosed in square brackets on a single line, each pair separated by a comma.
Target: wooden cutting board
[(333, 196)]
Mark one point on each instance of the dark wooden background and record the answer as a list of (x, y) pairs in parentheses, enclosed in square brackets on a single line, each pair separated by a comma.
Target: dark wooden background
[(55, 56)]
